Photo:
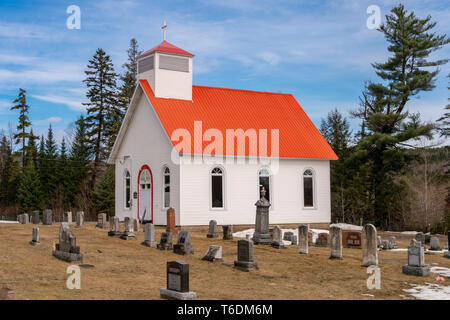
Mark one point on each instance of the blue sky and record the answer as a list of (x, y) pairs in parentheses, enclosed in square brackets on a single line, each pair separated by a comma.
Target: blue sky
[(320, 51)]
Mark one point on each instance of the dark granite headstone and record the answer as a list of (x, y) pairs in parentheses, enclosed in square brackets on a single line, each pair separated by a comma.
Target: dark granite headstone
[(166, 242), (177, 282), (183, 245), (227, 232), (47, 217), (245, 261)]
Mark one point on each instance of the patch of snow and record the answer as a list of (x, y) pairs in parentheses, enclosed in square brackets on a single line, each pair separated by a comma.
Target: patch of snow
[(367, 294), (430, 291), (404, 232), (8, 222), (443, 271), (346, 226), (315, 234), (398, 249)]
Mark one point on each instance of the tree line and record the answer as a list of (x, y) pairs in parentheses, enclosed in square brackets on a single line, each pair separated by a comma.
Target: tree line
[(37, 172), (389, 172)]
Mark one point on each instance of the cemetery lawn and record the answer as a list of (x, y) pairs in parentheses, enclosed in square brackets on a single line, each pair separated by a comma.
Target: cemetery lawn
[(127, 270)]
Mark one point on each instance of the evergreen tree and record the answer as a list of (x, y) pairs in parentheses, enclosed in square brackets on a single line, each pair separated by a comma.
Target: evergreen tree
[(24, 122), (32, 151), (63, 176), (102, 106), (103, 194), (30, 191), (389, 126), (48, 169), (444, 126)]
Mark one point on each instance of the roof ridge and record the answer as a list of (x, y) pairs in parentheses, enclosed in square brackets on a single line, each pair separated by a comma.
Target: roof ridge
[(245, 90)]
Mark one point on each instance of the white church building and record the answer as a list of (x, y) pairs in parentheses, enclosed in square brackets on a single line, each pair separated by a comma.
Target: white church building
[(207, 152)]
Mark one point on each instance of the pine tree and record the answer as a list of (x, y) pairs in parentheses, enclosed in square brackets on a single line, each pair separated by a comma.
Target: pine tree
[(30, 190), (102, 105), (31, 151), (405, 74), (103, 194), (126, 91), (444, 126), (49, 176), (24, 122)]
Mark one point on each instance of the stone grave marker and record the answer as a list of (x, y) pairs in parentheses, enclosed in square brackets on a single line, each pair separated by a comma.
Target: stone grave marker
[(166, 242), (35, 237), (227, 232), (288, 236), (335, 242), (149, 235), (47, 217), (378, 241), (212, 231), (420, 238), (294, 240), (80, 219), (68, 217), (435, 244), (351, 239), (369, 245), (177, 282), (447, 253), (214, 254), (277, 241), (262, 234), (102, 221), (114, 227), (171, 224), (322, 239), (245, 261), (416, 261), (137, 225), (183, 245), (303, 231), (36, 217), (128, 233), (23, 218), (392, 242), (67, 249)]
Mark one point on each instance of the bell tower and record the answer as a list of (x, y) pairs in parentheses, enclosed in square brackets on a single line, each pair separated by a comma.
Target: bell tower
[(168, 70)]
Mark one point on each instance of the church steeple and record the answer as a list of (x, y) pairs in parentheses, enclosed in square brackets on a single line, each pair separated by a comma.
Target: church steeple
[(168, 70)]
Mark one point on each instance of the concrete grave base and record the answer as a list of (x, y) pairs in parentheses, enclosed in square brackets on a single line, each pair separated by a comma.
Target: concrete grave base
[(416, 271), (69, 257), (128, 236), (264, 239), (115, 234), (34, 243), (431, 252), (167, 246), (151, 244), (175, 295), (183, 249), (212, 235), (278, 245), (246, 266)]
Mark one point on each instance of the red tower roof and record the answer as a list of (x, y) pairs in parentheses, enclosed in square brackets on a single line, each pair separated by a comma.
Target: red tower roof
[(169, 48)]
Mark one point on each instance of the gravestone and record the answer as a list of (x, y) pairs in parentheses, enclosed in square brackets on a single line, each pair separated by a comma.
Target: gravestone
[(392, 242), (183, 245), (261, 234), (310, 238), (435, 244), (80, 219), (166, 242), (35, 237), (384, 245), (177, 282), (68, 217), (277, 241), (212, 231), (136, 225), (102, 221), (294, 241), (67, 249), (447, 253), (427, 238), (149, 235), (171, 224), (288, 236), (36, 217), (128, 233), (416, 261), (303, 231), (335, 242), (114, 227), (322, 239), (227, 232), (47, 217), (369, 245), (420, 238), (214, 254), (23, 218), (378, 241), (351, 239), (245, 261)]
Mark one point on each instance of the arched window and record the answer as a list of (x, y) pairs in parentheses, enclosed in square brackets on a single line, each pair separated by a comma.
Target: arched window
[(217, 188), (308, 188), (146, 180), (166, 187), (127, 178), (264, 181)]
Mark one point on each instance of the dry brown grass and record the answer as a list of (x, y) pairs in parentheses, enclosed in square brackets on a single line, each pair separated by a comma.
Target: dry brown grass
[(128, 270)]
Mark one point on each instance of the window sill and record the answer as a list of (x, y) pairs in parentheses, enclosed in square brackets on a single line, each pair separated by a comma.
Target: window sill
[(309, 208)]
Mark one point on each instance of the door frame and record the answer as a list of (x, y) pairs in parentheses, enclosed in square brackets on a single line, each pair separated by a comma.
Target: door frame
[(145, 167)]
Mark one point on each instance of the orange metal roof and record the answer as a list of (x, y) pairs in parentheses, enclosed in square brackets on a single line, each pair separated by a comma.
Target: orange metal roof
[(167, 47), (223, 109)]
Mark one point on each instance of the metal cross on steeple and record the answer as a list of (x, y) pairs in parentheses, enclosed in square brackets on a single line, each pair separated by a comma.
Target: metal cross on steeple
[(164, 27)]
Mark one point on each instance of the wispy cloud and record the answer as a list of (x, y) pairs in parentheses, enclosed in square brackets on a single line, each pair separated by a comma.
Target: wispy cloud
[(47, 121), (71, 103)]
